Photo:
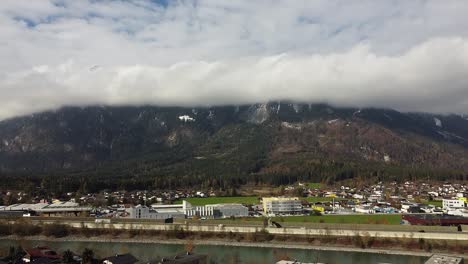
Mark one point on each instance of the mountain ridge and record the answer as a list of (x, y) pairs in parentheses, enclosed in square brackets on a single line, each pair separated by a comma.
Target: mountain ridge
[(232, 141)]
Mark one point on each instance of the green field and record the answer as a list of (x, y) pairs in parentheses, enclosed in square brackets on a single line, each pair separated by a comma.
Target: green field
[(218, 200), (435, 203), (391, 219), (321, 199), (388, 219), (314, 185), (245, 200)]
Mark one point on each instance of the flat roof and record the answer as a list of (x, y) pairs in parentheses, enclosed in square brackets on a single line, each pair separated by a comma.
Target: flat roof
[(44, 207), (156, 206)]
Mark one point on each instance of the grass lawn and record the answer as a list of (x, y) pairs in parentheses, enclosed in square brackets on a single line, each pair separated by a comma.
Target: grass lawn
[(387, 219), (314, 185), (218, 200), (320, 199), (435, 203)]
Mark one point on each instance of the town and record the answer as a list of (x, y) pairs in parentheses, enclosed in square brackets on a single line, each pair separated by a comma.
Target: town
[(387, 205), (383, 203)]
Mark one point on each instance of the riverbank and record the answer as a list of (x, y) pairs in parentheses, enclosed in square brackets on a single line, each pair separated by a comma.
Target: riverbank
[(366, 241), (211, 242)]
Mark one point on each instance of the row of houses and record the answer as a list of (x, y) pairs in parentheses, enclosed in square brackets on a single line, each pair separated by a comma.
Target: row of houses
[(46, 255)]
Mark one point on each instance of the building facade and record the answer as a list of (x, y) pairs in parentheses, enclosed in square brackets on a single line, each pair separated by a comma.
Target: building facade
[(452, 203), (144, 212), (228, 210), (282, 206)]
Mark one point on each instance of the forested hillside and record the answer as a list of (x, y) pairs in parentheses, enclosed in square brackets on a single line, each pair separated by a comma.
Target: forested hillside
[(274, 143)]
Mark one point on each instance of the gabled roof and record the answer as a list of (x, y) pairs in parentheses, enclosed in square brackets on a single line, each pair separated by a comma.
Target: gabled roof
[(187, 258), (43, 251), (45, 260), (122, 259)]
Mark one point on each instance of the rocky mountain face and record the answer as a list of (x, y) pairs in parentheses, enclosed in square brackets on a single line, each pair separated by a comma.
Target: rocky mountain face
[(260, 139)]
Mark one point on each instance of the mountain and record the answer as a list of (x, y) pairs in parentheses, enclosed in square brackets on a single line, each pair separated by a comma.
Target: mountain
[(272, 142)]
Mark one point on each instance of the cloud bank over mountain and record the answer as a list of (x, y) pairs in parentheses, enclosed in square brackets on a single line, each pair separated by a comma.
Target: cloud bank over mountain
[(411, 56)]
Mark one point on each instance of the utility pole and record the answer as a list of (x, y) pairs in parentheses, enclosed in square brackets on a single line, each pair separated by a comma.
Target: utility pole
[(333, 205)]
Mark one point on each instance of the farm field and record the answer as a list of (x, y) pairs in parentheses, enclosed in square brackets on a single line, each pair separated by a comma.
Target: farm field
[(219, 200)]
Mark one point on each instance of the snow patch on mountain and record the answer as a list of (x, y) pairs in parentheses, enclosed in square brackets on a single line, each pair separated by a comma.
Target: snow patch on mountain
[(297, 108), (291, 126), (388, 117), (437, 122), (258, 114), (333, 121), (186, 118)]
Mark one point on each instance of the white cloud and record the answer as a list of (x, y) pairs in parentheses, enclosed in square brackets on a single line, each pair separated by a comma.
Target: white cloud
[(408, 55)]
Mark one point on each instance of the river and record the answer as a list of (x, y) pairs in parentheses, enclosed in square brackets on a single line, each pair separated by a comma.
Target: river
[(219, 254)]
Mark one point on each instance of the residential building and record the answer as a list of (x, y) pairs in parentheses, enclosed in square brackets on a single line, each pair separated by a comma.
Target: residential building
[(120, 259), (452, 203), (282, 205), (43, 253), (293, 262), (186, 258)]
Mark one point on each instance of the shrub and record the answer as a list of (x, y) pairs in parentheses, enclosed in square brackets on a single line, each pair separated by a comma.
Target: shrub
[(23, 229), (5, 230), (56, 230), (261, 236), (68, 257), (87, 256), (358, 241)]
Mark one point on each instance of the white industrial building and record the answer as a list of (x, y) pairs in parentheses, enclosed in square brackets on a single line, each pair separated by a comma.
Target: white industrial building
[(364, 209), (229, 210), (199, 211), (45, 209), (186, 209), (215, 210), (159, 212)]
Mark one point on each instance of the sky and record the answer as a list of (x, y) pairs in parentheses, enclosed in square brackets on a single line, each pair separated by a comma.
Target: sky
[(400, 54)]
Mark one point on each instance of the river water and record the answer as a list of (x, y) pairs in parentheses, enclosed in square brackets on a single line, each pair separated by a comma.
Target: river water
[(220, 254)]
